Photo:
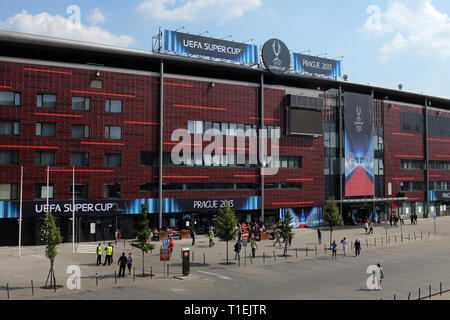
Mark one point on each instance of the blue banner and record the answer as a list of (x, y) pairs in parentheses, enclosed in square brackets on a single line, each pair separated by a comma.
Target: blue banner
[(316, 65), (189, 44)]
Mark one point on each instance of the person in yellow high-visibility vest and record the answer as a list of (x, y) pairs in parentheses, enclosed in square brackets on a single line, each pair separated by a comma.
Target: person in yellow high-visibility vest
[(99, 254), (109, 253)]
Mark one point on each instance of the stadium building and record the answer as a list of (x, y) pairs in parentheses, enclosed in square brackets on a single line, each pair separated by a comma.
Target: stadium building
[(92, 125)]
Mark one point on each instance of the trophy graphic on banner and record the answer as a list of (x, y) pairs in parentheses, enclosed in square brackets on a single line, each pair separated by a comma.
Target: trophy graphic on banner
[(276, 51)]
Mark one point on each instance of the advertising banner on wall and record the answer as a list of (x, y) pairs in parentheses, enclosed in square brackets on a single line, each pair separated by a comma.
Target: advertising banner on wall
[(443, 196), (304, 217), (191, 44), (359, 154), (316, 65), (10, 209)]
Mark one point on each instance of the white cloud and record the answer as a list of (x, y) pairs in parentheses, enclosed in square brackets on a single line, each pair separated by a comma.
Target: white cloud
[(195, 10), (410, 27), (96, 17), (61, 27)]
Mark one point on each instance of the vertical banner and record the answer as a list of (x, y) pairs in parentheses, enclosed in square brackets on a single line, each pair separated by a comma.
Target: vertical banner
[(358, 115)]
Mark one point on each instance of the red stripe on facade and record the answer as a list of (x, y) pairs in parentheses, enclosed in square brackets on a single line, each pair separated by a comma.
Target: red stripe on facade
[(268, 119), (140, 122), (48, 71), (6, 87), (246, 176), (292, 203), (184, 177), (104, 93), (198, 107), (58, 115), (300, 148), (79, 170), (406, 156), (403, 134), (440, 140), (27, 147), (104, 143), (309, 179)]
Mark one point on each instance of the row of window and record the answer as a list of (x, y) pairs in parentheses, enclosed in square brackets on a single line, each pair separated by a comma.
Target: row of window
[(149, 158), (231, 129), (49, 101), (410, 186), (48, 129), (415, 123), (421, 165), (218, 186)]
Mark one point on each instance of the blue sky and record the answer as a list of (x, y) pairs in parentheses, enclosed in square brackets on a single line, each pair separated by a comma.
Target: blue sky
[(384, 43)]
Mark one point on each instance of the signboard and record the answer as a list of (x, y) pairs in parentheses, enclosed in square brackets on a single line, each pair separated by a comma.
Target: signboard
[(190, 44), (244, 243), (245, 234), (439, 195), (316, 65), (359, 154), (164, 254), (276, 56), (82, 208), (165, 243)]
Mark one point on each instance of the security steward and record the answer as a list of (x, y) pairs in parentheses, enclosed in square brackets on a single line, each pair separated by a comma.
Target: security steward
[(109, 253), (99, 254)]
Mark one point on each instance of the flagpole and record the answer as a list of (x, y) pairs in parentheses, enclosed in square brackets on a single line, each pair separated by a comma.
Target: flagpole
[(20, 210), (73, 209)]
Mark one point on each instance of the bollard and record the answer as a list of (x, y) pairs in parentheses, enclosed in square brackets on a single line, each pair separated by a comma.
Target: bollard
[(274, 258), (32, 288), (306, 250), (440, 288), (96, 279), (409, 237), (316, 249), (168, 270), (251, 259), (296, 253), (382, 241), (428, 234), (409, 295), (429, 291), (389, 239), (375, 242), (264, 257), (419, 293), (394, 296), (351, 245), (420, 235), (192, 256), (115, 277), (367, 243), (134, 274), (325, 247), (415, 236), (204, 258), (395, 239), (7, 289), (151, 272)]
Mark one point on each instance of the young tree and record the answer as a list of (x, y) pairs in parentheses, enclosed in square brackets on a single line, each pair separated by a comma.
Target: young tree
[(332, 217), (51, 236), (225, 225), (286, 229), (142, 232)]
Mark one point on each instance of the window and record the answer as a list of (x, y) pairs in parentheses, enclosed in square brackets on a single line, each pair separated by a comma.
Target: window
[(113, 160), (46, 101), (8, 191), (149, 158), (80, 131), (9, 157), (46, 129), (45, 158), (81, 191), (113, 133), (40, 191), (191, 126), (114, 106), (198, 127), (10, 127), (112, 191), (79, 159), (148, 187), (8, 98), (224, 128), (80, 103)]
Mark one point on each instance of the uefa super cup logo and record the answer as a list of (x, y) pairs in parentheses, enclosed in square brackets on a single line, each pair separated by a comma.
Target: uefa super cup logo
[(276, 47)]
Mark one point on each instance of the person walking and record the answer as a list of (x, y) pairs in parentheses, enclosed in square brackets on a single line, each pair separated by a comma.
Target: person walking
[(123, 263), (370, 227), (193, 236), (357, 248), (109, 253), (395, 221), (237, 249), (334, 248), (99, 254), (171, 245), (254, 247), (411, 217), (380, 275), (129, 262), (415, 218), (366, 226), (277, 238), (319, 236), (344, 245), (211, 237)]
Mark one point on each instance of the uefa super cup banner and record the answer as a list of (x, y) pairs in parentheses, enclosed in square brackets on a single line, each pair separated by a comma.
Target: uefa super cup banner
[(185, 43), (358, 115), (316, 65)]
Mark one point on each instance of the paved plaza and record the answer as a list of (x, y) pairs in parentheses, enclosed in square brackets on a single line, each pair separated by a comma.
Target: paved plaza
[(309, 272)]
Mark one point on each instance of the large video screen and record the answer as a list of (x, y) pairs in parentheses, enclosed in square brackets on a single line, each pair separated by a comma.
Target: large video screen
[(305, 121)]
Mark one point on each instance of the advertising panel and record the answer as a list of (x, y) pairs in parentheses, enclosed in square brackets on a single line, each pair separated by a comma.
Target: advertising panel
[(304, 217), (316, 65), (359, 154), (276, 56), (191, 44)]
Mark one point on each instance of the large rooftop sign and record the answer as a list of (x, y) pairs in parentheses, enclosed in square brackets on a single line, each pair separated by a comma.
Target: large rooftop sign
[(316, 65), (190, 44), (276, 56)]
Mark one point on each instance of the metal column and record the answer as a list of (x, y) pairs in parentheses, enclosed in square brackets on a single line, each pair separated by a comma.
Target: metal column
[(340, 150), (161, 137), (261, 146), (426, 160)]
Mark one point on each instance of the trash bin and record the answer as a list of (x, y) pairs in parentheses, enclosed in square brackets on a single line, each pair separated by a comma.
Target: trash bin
[(185, 258)]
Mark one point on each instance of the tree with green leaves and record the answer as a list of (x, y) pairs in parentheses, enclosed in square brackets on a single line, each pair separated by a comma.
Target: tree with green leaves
[(332, 217), (286, 231), (225, 225), (142, 233), (51, 236)]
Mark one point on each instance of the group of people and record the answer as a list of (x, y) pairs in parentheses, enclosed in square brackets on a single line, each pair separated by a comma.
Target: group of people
[(238, 247), (254, 229), (123, 261), (368, 226), (344, 242), (413, 218)]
